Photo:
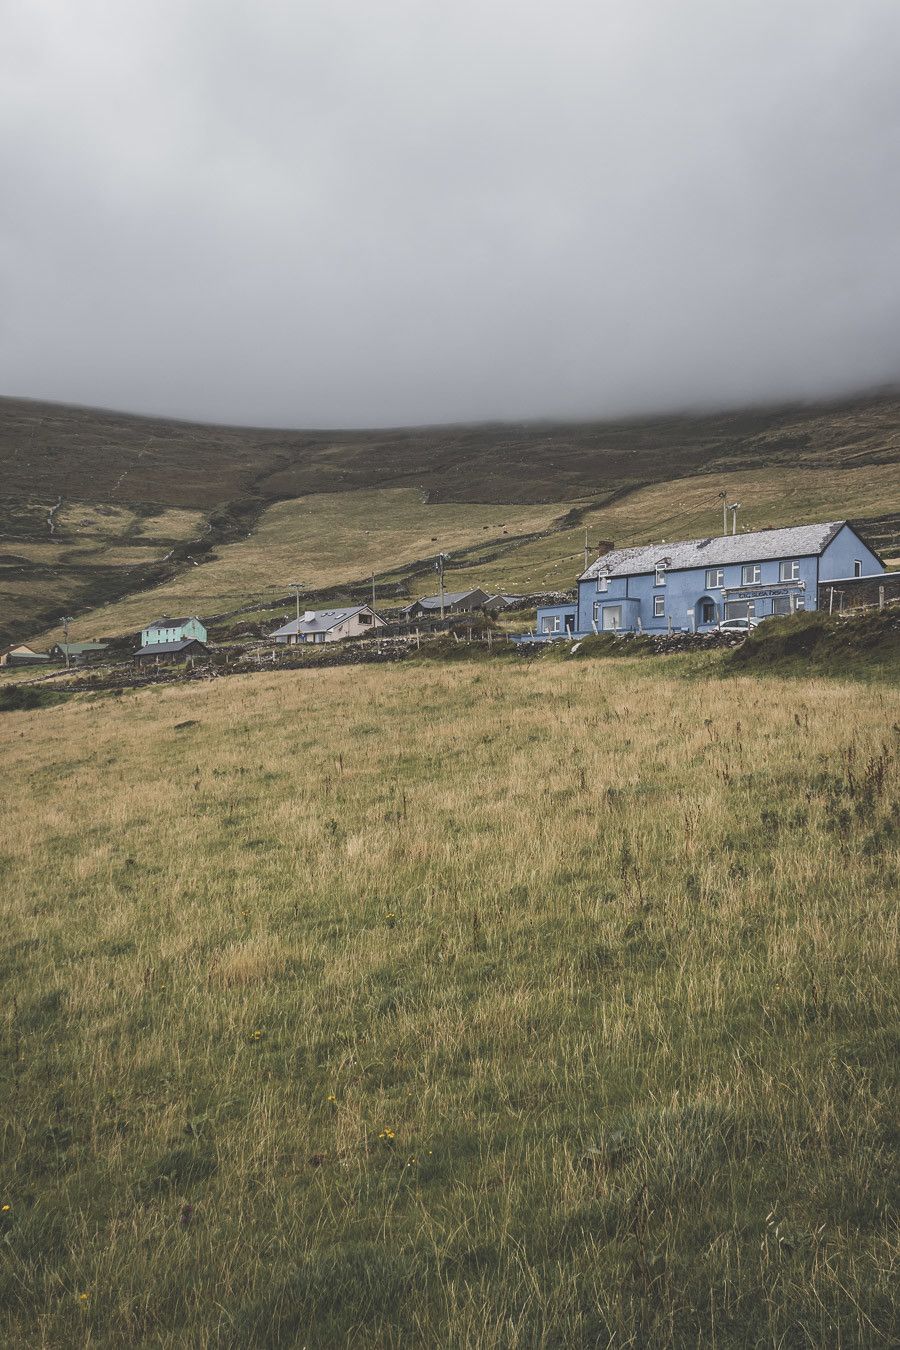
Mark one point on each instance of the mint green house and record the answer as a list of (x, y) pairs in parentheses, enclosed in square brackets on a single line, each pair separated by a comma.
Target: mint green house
[(172, 630)]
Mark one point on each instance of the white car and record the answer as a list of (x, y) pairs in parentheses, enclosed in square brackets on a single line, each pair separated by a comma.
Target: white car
[(738, 625)]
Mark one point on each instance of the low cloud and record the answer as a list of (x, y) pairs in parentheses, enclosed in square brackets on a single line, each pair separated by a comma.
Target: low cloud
[(355, 213)]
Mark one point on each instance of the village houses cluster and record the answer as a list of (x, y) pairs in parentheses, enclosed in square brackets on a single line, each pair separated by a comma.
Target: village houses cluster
[(729, 581)]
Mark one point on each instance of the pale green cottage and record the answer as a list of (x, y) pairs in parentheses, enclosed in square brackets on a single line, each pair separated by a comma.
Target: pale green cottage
[(172, 630)]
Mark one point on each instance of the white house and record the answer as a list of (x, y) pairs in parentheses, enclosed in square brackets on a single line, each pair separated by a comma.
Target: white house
[(173, 630), (330, 625)]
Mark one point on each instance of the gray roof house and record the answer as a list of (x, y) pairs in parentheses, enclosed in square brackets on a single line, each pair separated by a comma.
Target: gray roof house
[(329, 625), (171, 651), (696, 584), (172, 630), (455, 602)]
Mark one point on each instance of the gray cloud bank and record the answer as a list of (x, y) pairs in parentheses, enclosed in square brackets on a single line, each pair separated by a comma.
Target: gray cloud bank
[(360, 212)]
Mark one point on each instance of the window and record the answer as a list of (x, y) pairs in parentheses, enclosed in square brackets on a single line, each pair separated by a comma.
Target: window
[(789, 571), (857, 568), (740, 609), (750, 574), (660, 578), (612, 617), (551, 625), (715, 578), (707, 611), (659, 606), (603, 583), (364, 617)]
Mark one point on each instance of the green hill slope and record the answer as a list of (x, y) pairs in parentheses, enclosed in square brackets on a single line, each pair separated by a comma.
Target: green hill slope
[(100, 505)]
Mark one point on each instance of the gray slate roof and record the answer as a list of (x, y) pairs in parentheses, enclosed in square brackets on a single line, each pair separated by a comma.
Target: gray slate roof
[(450, 598), (322, 621), (168, 648), (171, 623), (797, 541)]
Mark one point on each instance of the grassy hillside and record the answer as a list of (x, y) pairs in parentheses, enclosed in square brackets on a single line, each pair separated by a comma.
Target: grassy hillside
[(497, 1005), (207, 486)]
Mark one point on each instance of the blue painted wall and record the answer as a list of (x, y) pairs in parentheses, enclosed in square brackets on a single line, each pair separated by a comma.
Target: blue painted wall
[(632, 602), (551, 620)]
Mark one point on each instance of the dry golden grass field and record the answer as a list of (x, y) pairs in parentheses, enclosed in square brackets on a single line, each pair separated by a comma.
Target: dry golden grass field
[(503, 1004)]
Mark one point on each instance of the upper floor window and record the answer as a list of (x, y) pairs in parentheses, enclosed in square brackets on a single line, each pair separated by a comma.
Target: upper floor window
[(750, 573), (857, 567), (660, 576), (789, 571), (714, 577), (602, 583)]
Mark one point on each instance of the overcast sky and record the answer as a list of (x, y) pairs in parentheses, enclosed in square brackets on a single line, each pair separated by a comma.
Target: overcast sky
[(350, 212)]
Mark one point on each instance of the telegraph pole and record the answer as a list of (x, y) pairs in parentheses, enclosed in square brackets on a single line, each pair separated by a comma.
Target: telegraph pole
[(440, 568), (296, 587), (724, 497), (65, 621), (586, 550)]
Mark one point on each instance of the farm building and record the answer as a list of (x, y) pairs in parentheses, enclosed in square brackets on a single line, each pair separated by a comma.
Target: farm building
[(696, 584), (23, 656), (330, 625), (172, 630), (454, 602), (171, 651), (80, 653)]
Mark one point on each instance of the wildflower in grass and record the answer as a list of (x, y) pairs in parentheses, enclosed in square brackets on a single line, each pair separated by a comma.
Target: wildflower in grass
[(386, 1136), (331, 1098), (4, 1209), (84, 1298), (257, 1035), (390, 918)]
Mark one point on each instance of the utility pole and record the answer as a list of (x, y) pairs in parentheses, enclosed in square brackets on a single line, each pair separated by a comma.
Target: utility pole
[(440, 567), (586, 550), (724, 498), (373, 592), (65, 621), (297, 587)]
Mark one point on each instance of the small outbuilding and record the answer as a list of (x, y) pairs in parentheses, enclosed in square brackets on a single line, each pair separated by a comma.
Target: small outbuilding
[(169, 652), (23, 656), (452, 602), (79, 653)]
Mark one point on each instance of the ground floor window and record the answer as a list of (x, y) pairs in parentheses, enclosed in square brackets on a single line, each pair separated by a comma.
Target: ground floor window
[(659, 606), (612, 617), (707, 611), (740, 609)]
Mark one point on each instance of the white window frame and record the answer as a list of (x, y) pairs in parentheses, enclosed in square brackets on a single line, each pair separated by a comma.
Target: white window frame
[(659, 578), (789, 570), (755, 576), (715, 578), (712, 605), (613, 627), (857, 567), (659, 606), (603, 583)]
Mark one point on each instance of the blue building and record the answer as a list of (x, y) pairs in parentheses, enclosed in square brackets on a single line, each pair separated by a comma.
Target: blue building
[(695, 584)]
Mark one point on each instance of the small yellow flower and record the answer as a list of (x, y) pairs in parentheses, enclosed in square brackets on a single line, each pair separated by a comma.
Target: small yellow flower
[(83, 1298), (4, 1209), (331, 1097)]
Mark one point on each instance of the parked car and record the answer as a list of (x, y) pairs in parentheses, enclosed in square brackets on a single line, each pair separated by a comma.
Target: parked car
[(737, 625)]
